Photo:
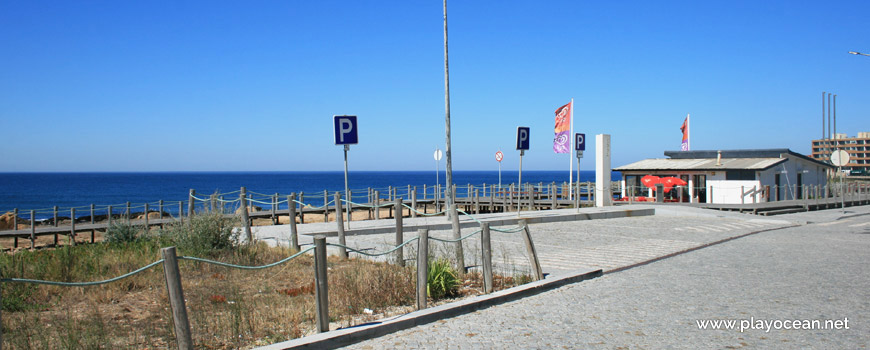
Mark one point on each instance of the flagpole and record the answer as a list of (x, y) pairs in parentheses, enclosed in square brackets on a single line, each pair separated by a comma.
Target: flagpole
[(570, 158), (689, 133)]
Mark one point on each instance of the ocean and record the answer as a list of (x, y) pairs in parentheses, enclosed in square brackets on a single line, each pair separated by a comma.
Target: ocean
[(42, 191)]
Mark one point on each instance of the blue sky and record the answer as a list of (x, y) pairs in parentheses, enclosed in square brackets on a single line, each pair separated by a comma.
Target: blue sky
[(253, 86)]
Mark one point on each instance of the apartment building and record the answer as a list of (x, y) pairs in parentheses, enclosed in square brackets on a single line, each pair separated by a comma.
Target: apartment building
[(858, 148)]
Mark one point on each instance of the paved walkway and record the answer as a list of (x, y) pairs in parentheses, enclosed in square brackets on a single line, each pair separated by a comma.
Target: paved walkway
[(562, 246), (815, 271)]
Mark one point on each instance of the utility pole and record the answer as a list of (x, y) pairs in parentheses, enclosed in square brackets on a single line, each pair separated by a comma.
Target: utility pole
[(449, 167)]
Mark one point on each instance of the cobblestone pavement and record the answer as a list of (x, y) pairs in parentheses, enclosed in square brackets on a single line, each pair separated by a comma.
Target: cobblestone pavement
[(816, 271), (575, 245)]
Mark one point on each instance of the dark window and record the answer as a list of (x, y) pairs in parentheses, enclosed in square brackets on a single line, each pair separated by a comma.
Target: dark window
[(740, 175)]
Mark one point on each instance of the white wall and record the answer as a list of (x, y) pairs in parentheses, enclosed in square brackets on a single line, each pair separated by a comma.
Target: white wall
[(729, 192), (812, 175)]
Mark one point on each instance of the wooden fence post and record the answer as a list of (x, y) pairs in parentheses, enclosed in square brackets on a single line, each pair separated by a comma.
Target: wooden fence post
[(55, 225), (147, 228), (127, 213), (109, 216), (457, 233), (326, 206), (477, 201), (400, 255), (422, 266), (32, 229), (321, 290), (342, 251), (302, 207), (274, 209), (246, 220), (291, 212), (486, 249), (190, 203), (176, 298), (414, 202), (72, 227), (181, 212), (94, 230), (14, 227), (377, 208), (160, 209), (537, 274)]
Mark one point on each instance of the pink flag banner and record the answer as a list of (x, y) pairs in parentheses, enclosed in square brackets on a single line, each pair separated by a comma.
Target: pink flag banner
[(562, 140)]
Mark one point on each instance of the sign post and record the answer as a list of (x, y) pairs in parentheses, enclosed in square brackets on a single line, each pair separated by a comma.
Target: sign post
[(579, 146), (346, 135), (498, 157), (437, 193), (522, 146), (840, 158)]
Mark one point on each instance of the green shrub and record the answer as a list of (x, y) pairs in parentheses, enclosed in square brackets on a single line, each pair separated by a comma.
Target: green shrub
[(441, 281), (121, 233), (202, 234)]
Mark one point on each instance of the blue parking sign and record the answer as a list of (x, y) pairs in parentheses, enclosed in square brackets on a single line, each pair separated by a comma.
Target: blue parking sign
[(345, 129), (522, 138), (579, 142)]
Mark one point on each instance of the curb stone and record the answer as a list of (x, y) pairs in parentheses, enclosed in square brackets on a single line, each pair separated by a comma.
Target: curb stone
[(351, 335)]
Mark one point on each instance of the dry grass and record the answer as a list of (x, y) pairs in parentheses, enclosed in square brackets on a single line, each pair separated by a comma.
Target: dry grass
[(227, 308)]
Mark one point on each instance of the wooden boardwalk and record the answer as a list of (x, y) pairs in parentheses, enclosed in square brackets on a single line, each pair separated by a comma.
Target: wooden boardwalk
[(502, 202), (790, 206)]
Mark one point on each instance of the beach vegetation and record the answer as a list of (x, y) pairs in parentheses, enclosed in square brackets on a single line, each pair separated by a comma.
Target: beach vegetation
[(442, 280), (227, 308)]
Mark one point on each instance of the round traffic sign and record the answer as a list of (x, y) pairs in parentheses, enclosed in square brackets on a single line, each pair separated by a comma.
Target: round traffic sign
[(437, 154), (840, 157), (499, 156)]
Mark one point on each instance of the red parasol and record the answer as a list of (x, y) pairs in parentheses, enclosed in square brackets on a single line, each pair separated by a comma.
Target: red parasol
[(670, 182), (650, 181)]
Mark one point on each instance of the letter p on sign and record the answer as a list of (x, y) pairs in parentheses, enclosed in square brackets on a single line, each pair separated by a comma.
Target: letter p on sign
[(522, 138), (345, 129)]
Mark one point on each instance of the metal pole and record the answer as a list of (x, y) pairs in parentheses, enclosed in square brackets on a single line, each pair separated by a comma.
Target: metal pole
[(449, 163), (346, 189), (823, 115), (830, 133), (519, 206), (499, 176)]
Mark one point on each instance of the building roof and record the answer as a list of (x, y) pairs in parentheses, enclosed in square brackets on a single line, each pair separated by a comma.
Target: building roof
[(702, 164), (742, 153)]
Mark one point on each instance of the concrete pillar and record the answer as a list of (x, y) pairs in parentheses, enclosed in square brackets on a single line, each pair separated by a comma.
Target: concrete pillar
[(603, 195)]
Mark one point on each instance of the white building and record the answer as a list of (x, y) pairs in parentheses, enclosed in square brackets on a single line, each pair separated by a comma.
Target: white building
[(730, 176)]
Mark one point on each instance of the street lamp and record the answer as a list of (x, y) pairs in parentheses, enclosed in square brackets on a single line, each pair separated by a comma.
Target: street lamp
[(858, 53)]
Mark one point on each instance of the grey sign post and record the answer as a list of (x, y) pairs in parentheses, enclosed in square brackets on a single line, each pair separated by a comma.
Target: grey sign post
[(437, 155), (579, 146), (840, 158), (498, 158), (522, 146), (346, 135)]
